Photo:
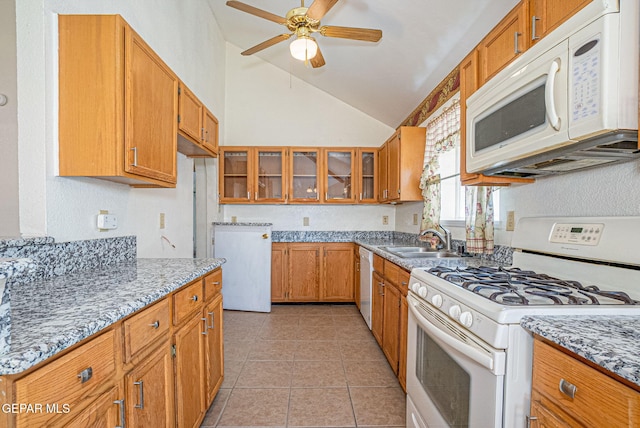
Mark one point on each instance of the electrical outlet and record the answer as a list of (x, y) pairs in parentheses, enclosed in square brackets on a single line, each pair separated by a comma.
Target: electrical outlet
[(385, 219), (234, 219), (415, 219), (511, 221), (305, 221), (161, 220)]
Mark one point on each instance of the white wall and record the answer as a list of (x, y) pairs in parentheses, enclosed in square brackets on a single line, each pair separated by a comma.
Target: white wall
[(186, 36), (267, 106), (606, 191)]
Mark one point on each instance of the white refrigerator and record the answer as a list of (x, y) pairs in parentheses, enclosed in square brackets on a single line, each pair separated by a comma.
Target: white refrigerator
[(246, 275)]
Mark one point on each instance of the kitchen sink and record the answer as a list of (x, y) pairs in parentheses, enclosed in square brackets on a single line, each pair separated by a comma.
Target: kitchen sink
[(410, 252)]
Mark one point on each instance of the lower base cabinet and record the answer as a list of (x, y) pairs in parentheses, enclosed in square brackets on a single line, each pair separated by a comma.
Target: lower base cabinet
[(149, 391), (143, 371), (312, 272)]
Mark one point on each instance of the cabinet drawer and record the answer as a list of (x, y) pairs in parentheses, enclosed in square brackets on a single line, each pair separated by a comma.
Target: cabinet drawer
[(186, 301), (392, 272), (599, 400), (212, 284), (149, 325), (403, 281), (60, 383), (378, 264)]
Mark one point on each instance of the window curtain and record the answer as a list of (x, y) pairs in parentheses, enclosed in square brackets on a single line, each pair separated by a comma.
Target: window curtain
[(443, 134), (479, 219)]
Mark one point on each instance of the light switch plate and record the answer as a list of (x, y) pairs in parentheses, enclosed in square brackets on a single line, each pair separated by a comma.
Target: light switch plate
[(511, 221)]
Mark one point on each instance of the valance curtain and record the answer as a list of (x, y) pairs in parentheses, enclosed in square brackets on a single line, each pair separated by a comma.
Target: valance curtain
[(443, 134)]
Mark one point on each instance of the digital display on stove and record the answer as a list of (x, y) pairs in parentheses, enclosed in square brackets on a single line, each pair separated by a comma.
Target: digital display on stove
[(576, 230)]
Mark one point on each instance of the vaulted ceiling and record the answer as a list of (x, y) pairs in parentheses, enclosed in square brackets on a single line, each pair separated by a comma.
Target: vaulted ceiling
[(422, 41)]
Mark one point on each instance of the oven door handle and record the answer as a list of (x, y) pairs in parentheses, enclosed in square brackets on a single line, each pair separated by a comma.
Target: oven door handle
[(471, 352)]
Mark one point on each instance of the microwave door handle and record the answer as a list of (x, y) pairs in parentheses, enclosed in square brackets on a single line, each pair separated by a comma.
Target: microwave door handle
[(549, 101)]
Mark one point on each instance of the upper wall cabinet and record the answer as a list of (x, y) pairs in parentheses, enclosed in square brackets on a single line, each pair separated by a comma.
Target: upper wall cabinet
[(338, 178), (197, 126), (546, 15), (401, 161), (367, 175), (118, 104), (304, 175)]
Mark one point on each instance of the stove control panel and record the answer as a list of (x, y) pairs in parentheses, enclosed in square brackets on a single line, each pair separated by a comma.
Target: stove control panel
[(577, 234)]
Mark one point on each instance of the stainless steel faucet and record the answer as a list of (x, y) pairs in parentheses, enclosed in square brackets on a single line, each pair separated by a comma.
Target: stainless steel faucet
[(444, 239)]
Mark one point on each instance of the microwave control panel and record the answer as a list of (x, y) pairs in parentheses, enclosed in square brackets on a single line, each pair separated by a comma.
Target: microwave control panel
[(586, 81), (578, 234)]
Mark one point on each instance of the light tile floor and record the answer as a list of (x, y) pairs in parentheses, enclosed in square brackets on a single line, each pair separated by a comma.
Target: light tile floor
[(304, 366)]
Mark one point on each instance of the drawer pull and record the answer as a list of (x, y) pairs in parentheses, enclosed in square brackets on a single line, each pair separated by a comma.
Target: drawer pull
[(85, 375), (205, 326), (140, 385), (120, 404), (195, 298), (155, 324), (567, 388)]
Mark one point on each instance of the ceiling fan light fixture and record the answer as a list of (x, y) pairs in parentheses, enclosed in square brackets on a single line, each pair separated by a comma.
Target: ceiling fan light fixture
[(303, 48)]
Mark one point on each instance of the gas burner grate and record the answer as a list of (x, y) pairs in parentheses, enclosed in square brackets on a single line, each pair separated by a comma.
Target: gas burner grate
[(517, 287)]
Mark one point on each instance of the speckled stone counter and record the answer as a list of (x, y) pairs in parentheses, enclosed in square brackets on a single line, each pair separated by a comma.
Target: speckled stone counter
[(49, 315), (612, 342)]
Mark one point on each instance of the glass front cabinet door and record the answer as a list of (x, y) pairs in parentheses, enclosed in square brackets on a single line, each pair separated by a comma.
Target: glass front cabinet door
[(339, 167), (304, 170), (270, 186), (235, 174), (367, 175)]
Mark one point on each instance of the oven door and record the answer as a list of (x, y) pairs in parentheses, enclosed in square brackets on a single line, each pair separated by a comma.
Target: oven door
[(453, 378)]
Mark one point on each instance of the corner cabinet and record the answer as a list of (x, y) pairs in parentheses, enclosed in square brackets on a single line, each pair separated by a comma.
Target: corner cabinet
[(197, 126), (401, 160), (118, 104)]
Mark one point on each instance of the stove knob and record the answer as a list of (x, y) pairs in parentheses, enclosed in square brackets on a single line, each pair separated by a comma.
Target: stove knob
[(437, 300), (466, 319), (422, 292), (415, 287), (454, 311)]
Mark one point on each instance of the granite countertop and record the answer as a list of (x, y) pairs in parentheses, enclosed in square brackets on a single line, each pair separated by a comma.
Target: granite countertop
[(612, 342), (48, 316)]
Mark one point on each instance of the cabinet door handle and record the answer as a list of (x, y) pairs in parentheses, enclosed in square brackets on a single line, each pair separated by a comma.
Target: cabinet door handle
[(248, 195), (567, 388), (135, 156), (155, 324), (140, 404), (85, 375), (211, 315), (205, 326), (534, 36), (516, 36), (529, 419), (120, 404)]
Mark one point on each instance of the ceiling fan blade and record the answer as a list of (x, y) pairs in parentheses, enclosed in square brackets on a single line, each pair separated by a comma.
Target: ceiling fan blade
[(318, 60), (257, 12), (319, 8), (267, 43), (364, 34)]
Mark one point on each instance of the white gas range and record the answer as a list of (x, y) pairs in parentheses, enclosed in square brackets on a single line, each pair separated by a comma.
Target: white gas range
[(469, 361)]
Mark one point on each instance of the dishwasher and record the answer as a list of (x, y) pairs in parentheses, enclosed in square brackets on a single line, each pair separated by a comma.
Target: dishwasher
[(366, 270)]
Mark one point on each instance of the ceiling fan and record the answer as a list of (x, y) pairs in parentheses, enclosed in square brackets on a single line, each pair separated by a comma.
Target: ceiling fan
[(303, 22)]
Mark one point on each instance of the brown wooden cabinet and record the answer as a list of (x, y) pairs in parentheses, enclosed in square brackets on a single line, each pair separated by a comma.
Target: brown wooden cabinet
[(338, 276), (356, 275), (117, 94), (339, 166), (546, 15), (214, 348), (391, 325), (507, 40), (304, 175), (367, 176), (235, 168), (149, 391), (402, 355), (377, 306), (403, 155), (598, 399), (312, 272), (190, 373), (197, 126), (270, 185), (104, 412)]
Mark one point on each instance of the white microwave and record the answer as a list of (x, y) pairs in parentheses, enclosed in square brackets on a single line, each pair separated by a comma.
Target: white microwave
[(568, 103)]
